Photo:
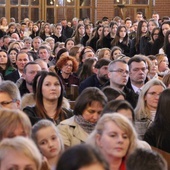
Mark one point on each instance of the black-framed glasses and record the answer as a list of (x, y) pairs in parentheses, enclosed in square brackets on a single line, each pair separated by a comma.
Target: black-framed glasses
[(4, 103), (120, 71)]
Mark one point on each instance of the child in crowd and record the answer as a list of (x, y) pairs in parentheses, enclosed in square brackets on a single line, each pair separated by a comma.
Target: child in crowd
[(48, 140)]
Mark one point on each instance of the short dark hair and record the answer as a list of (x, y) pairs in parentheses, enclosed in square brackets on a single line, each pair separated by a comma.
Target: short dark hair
[(80, 156), (115, 105), (137, 59), (29, 63), (142, 159), (102, 62), (88, 96)]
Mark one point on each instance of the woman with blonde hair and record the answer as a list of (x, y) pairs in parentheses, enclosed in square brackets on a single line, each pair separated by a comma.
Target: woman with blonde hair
[(104, 53), (19, 153), (147, 104), (14, 123), (115, 136)]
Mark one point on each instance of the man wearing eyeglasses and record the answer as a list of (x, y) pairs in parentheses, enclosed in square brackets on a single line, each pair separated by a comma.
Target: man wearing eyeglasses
[(9, 95), (118, 73)]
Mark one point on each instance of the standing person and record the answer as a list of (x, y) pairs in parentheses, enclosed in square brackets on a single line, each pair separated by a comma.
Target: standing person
[(115, 136), (48, 140), (48, 91), (157, 134), (87, 110)]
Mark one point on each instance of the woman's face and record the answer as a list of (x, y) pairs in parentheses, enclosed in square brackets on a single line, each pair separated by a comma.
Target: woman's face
[(92, 112), (163, 65), (154, 67), (122, 32), (81, 30), (17, 160), (113, 142), (100, 31), (155, 35), (51, 89), (152, 97), (69, 45), (114, 29), (48, 142), (47, 29), (3, 58), (18, 131), (106, 31), (67, 67), (151, 26), (144, 28), (12, 56), (106, 54), (115, 53)]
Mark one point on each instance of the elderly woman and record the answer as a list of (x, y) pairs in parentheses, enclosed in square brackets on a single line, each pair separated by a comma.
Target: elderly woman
[(87, 110), (147, 104), (115, 136)]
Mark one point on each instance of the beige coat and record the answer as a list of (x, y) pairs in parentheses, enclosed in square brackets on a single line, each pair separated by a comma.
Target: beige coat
[(71, 132)]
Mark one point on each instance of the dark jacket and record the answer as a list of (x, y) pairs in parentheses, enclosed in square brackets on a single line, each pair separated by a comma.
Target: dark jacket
[(31, 113), (23, 88), (62, 38), (91, 81), (158, 138), (14, 76)]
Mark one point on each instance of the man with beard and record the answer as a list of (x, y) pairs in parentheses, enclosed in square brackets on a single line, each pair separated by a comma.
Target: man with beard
[(137, 76), (100, 79), (30, 71)]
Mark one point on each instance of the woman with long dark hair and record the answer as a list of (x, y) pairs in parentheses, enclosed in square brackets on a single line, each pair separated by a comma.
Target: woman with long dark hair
[(48, 93)]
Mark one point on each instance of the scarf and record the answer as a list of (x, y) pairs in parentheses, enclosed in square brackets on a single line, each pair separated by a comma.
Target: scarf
[(85, 125)]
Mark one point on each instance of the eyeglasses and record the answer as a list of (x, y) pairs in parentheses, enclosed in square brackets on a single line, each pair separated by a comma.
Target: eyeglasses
[(154, 94), (4, 103), (120, 71), (68, 65)]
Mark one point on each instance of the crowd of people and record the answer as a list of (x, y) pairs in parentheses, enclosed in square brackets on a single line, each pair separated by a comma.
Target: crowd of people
[(85, 96)]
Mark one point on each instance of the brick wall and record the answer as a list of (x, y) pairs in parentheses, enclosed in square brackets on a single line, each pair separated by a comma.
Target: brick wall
[(162, 7), (105, 8)]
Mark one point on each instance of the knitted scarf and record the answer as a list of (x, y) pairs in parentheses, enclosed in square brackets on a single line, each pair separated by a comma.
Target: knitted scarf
[(85, 125)]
